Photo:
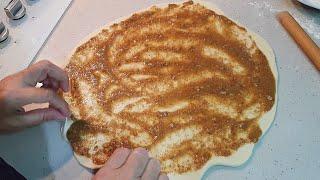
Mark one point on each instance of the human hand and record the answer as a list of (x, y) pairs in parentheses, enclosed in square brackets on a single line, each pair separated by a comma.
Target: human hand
[(19, 89), (126, 165)]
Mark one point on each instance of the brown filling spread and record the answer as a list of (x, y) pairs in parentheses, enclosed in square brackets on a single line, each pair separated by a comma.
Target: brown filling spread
[(178, 70)]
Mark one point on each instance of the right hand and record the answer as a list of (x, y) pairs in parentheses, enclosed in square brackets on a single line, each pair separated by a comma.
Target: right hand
[(125, 164)]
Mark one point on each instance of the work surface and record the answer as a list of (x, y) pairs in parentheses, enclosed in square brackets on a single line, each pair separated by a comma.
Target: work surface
[(289, 150)]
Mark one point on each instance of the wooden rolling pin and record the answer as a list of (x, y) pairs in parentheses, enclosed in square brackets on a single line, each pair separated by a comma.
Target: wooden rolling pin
[(309, 47)]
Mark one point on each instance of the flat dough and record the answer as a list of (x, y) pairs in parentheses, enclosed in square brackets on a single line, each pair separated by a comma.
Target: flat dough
[(243, 153)]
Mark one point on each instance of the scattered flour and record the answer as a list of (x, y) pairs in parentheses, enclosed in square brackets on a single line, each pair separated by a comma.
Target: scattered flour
[(310, 22), (263, 5), (310, 25)]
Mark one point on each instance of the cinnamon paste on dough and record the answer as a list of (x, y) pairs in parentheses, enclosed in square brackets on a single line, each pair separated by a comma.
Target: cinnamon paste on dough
[(180, 70)]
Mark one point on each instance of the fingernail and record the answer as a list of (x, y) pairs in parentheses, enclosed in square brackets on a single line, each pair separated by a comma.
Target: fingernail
[(65, 87), (163, 177), (154, 165), (66, 113), (69, 112), (59, 116), (118, 158), (156, 162)]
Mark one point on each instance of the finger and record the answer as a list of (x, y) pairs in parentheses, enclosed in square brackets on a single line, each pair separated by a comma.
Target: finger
[(152, 170), (118, 158), (43, 70), (136, 163), (37, 116), (163, 177), (46, 83), (26, 96), (51, 83), (21, 110)]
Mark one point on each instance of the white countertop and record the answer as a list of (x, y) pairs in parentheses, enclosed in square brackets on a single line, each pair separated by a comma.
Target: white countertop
[(28, 34), (289, 150)]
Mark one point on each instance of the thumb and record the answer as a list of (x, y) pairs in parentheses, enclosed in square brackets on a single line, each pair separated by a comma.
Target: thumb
[(38, 116)]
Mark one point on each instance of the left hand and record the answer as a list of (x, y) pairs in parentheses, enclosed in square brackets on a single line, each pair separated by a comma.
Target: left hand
[(19, 90), (125, 164)]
